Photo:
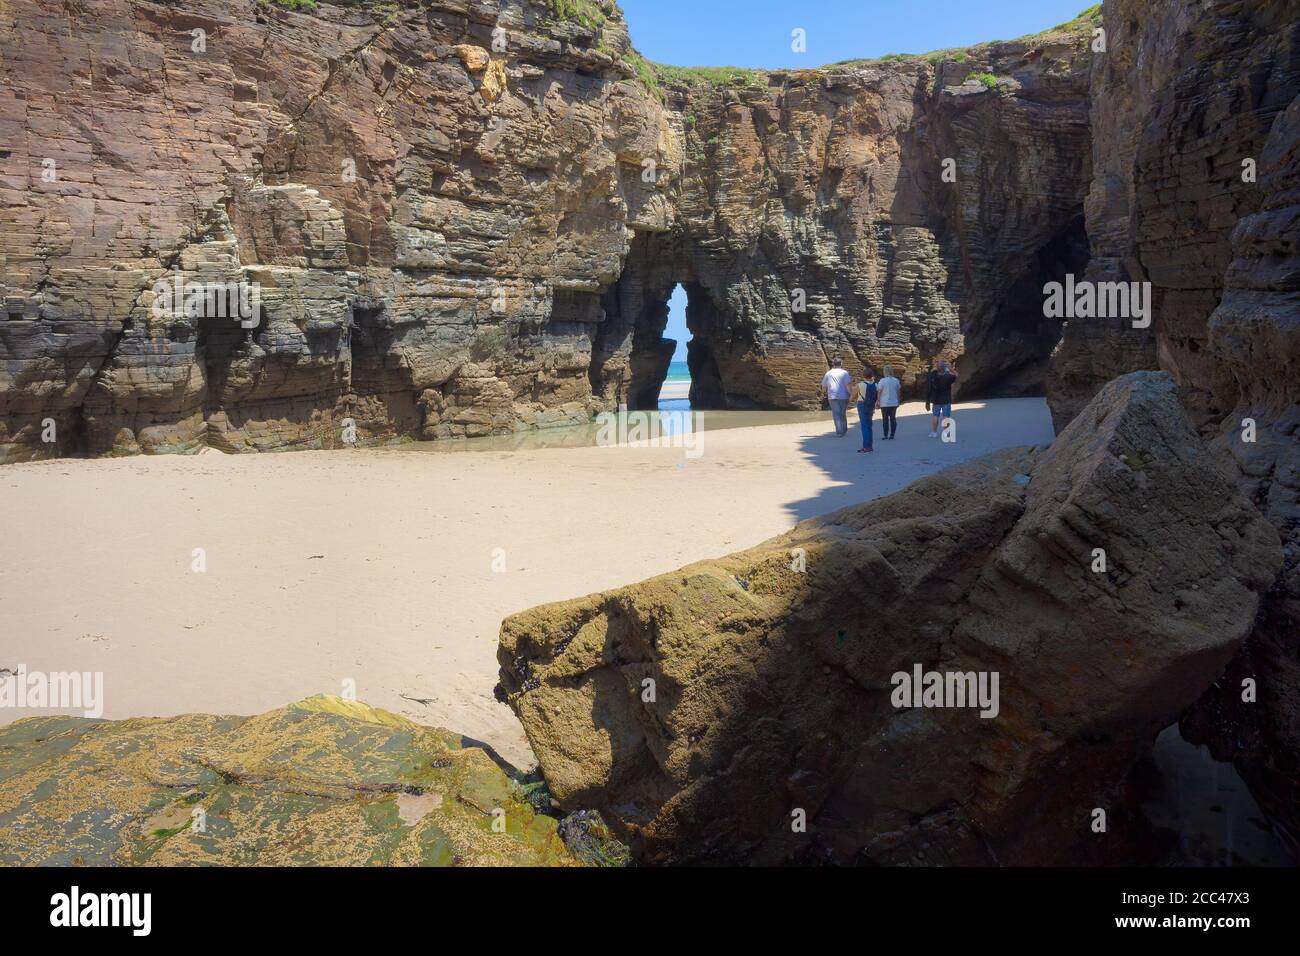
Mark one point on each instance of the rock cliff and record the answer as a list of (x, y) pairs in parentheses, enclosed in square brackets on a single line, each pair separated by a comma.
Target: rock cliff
[(463, 217), (747, 708), (1195, 123), (896, 212), (1182, 105), (428, 197)]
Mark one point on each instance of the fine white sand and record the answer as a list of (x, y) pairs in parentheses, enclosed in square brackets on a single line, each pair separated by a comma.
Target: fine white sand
[(376, 566)]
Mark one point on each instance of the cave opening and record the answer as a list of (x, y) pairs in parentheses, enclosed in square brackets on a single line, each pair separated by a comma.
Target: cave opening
[(675, 390), (220, 343), (369, 337), (1007, 353), (664, 341), (673, 365)]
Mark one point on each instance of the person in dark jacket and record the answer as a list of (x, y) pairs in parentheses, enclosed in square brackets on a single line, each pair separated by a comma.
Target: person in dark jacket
[(938, 395), (866, 407)]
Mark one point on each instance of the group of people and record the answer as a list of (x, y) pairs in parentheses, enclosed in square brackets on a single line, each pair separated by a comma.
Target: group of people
[(884, 394)]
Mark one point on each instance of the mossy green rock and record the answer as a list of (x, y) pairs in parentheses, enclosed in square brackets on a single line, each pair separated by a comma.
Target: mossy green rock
[(321, 782)]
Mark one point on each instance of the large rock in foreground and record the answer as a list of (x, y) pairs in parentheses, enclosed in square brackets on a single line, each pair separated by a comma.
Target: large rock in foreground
[(321, 782), (706, 713)]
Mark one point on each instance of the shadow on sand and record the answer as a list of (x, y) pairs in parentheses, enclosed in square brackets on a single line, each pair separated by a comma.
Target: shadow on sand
[(980, 428)]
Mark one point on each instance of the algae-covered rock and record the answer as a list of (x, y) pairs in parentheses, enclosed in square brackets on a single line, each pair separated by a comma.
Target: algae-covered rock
[(321, 782), (592, 841)]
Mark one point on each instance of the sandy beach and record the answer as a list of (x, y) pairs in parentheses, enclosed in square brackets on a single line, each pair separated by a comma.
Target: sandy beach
[(392, 568)]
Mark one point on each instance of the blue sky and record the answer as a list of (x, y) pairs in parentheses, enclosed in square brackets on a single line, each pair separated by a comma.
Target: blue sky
[(677, 323), (757, 33)]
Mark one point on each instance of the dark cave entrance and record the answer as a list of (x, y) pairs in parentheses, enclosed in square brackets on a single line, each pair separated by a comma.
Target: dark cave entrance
[(369, 337), (381, 388), (220, 343), (1007, 354)]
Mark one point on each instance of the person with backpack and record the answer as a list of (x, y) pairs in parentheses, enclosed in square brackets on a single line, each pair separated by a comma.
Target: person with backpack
[(866, 407), (938, 393)]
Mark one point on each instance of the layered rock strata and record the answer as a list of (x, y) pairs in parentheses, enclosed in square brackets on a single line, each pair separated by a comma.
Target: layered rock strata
[(1183, 102), (464, 217), (428, 197), (1195, 133)]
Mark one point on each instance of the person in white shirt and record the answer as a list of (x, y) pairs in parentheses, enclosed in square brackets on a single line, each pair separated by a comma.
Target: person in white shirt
[(835, 387), (888, 391)]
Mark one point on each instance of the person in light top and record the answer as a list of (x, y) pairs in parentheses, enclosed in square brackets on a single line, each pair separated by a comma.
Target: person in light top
[(888, 391), (835, 388)]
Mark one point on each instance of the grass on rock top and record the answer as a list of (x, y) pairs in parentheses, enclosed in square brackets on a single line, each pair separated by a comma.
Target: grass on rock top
[(656, 76), (592, 14), (1085, 21)]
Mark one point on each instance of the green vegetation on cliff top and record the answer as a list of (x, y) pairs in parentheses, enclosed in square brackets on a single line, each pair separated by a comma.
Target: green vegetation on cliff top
[(987, 79), (1085, 21), (656, 76), (715, 76), (590, 13)]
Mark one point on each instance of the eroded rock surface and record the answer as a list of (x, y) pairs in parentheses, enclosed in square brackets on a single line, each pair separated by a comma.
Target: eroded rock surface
[(1184, 97), (323, 782), (1195, 130), (429, 219), (829, 188), (465, 217), (771, 688), (1252, 716)]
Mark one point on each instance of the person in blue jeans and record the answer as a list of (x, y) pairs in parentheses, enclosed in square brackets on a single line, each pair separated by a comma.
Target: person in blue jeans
[(835, 386), (866, 407)]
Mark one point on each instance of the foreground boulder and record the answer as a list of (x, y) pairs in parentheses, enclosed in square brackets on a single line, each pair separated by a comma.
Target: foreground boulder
[(321, 782), (752, 708)]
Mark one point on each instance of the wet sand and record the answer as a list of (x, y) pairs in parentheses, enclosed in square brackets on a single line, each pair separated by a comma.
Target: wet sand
[(392, 568)]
